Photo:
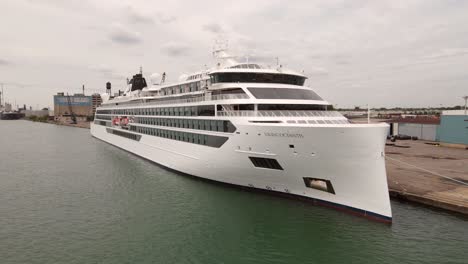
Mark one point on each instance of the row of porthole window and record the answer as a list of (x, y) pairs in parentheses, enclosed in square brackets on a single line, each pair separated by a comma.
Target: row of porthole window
[(201, 110), (106, 112), (100, 122), (103, 117), (318, 121), (201, 139), (182, 88), (210, 125), (124, 134)]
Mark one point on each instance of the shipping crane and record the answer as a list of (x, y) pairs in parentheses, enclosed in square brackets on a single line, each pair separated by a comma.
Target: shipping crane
[(72, 115)]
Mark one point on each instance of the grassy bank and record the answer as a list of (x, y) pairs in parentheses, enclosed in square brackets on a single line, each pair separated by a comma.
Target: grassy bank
[(34, 118)]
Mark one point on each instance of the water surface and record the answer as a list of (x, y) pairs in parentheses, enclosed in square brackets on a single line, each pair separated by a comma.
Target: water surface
[(66, 197)]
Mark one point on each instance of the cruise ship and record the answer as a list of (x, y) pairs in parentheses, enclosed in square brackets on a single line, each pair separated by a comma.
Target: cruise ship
[(255, 126)]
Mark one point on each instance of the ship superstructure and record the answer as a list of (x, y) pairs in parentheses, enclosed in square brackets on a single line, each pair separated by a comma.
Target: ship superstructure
[(254, 126)]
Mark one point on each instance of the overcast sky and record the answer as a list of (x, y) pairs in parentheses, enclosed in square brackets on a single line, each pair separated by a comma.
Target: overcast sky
[(384, 53)]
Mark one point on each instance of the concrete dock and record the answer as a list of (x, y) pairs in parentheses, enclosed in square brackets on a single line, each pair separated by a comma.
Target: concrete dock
[(429, 174)]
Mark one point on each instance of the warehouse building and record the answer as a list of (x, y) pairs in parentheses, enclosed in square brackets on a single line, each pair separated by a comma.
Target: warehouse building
[(453, 127), (82, 106), (422, 127), (79, 104), (29, 113)]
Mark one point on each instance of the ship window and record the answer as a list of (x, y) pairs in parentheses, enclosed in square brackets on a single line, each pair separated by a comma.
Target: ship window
[(246, 107), (266, 163), (206, 110), (213, 125), (284, 93), (201, 124), (294, 107), (319, 184), (235, 77)]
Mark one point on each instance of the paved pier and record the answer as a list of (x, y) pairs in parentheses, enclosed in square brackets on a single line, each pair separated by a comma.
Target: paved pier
[(432, 175)]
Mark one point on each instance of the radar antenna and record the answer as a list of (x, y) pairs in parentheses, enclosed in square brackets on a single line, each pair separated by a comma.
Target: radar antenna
[(219, 46), (163, 78), (220, 52)]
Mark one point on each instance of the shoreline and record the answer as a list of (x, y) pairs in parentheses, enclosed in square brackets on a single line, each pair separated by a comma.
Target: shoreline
[(85, 125)]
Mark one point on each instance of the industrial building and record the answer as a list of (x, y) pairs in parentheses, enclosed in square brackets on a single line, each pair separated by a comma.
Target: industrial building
[(81, 106), (29, 113), (453, 127), (422, 127), (96, 101)]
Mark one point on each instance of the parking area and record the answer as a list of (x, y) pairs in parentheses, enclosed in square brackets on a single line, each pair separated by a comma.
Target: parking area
[(430, 174)]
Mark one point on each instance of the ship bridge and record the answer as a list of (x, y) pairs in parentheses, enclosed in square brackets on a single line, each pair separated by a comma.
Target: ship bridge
[(254, 73)]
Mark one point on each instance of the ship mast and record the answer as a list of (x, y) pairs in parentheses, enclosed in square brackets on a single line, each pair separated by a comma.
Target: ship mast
[(220, 53)]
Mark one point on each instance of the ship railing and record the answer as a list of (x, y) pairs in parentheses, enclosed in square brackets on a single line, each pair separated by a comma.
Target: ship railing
[(206, 97), (280, 113)]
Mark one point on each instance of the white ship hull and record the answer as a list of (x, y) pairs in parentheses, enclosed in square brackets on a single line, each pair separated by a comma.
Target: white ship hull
[(350, 156)]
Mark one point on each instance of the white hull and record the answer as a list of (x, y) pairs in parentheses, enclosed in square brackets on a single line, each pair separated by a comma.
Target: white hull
[(350, 156)]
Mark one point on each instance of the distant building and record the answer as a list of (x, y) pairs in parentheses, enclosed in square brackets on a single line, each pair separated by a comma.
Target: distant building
[(8, 107), (422, 127), (28, 113), (97, 101), (453, 127), (80, 104)]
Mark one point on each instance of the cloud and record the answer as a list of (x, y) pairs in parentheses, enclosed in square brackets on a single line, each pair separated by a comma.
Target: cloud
[(175, 49), (317, 71), (433, 58), (402, 45), (106, 71), (4, 62), (124, 36), (165, 19), (445, 53), (136, 17), (213, 28)]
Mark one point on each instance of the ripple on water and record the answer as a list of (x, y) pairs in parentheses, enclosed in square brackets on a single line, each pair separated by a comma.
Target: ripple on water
[(66, 197)]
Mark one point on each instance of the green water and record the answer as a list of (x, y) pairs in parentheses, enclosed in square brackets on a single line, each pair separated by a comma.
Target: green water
[(66, 197)]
